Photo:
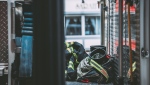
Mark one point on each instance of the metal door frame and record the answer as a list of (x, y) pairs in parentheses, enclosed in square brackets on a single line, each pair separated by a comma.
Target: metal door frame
[(144, 41), (10, 53)]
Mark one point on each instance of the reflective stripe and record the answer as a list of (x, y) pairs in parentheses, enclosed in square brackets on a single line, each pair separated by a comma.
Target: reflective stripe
[(76, 62), (70, 62), (71, 65), (65, 71), (67, 45), (99, 68), (133, 69), (133, 66), (69, 50), (75, 55), (72, 43)]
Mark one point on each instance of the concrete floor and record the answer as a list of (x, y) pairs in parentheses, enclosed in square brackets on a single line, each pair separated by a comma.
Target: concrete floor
[(79, 83)]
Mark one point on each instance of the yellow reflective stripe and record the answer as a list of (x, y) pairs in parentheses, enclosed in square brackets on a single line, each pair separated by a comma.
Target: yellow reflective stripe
[(101, 71), (75, 55), (65, 71), (133, 69), (71, 65), (72, 43), (67, 45), (70, 62), (99, 68), (69, 50), (77, 61), (133, 66)]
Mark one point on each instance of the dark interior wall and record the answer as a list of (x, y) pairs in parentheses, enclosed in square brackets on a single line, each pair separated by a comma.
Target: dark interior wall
[(48, 48)]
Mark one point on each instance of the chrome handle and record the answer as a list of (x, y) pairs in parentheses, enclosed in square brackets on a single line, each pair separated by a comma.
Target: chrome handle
[(13, 21), (144, 53)]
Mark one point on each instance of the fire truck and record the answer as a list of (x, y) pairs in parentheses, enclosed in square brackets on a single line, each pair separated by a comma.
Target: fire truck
[(33, 32)]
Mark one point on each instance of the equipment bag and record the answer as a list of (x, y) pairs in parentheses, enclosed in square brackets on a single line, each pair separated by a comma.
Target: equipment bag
[(97, 67)]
